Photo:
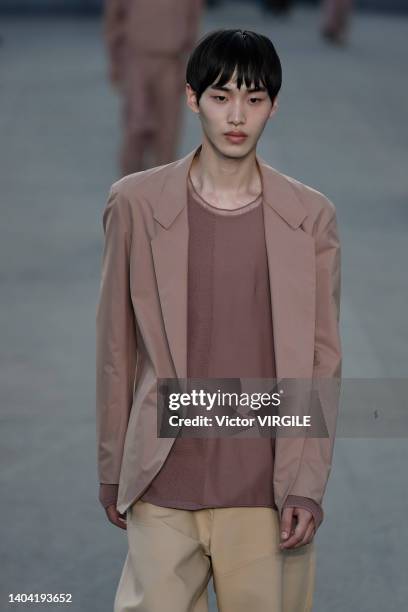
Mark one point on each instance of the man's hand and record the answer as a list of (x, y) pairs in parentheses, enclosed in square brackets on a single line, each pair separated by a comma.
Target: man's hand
[(116, 517), (297, 528)]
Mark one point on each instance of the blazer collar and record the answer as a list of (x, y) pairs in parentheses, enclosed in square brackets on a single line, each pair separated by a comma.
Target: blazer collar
[(278, 192)]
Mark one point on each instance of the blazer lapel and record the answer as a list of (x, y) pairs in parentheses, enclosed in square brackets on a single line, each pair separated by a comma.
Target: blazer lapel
[(170, 255), (291, 262)]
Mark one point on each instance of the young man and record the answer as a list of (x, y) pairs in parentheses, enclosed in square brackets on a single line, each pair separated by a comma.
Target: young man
[(216, 266)]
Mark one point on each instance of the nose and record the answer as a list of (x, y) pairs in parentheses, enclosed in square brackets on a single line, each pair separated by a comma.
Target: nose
[(236, 114)]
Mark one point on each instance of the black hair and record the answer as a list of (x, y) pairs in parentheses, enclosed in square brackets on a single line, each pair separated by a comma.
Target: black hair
[(220, 52)]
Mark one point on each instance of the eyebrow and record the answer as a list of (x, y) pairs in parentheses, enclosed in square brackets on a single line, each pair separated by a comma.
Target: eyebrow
[(229, 89)]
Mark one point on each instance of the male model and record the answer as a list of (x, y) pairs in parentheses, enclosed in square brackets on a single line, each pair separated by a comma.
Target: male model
[(148, 43), (216, 266)]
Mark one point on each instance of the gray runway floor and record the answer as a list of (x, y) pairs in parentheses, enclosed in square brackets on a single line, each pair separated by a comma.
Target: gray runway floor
[(341, 127)]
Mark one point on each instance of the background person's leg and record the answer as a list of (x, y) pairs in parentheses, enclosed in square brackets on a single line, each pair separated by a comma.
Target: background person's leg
[(335, 19), (137, 120), (166, 566), (168, 102)]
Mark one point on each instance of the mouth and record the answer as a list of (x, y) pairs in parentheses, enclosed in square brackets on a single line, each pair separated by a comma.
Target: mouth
[(236, 137)]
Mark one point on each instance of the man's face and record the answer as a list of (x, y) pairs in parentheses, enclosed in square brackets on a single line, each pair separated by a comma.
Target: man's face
[(232, 119)]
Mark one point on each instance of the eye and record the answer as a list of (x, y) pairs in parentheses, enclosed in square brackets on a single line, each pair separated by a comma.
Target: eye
[(255, 100), (219, 98)]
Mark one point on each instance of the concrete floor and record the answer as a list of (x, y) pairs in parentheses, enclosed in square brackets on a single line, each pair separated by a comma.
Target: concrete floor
[(341, 128)]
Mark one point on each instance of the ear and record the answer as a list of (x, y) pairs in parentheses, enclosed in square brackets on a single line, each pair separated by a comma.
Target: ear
[(275, 106), (191, 99)]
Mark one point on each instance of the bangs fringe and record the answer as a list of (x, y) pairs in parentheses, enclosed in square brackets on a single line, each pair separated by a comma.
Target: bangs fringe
[(223, 53)]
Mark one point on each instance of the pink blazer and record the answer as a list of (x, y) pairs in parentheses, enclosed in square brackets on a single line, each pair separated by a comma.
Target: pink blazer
[(141, 320)]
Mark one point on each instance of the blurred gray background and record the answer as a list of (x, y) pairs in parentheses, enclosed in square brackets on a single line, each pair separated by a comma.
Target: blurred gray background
[(341, 127), (36, 6)]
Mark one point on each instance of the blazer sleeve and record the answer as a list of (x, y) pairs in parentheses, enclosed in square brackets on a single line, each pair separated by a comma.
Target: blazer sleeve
[(116, 346), (315, 465)]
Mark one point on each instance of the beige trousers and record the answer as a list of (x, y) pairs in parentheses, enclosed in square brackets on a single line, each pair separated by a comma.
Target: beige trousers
[(173, 553)]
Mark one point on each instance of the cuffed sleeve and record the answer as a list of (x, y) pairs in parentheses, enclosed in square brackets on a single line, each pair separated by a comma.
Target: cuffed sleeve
[(116, 347), (108, 494), (297, 501)]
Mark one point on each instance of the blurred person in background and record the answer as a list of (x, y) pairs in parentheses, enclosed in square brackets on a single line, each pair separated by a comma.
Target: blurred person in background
[(278, 7), (336, 15), (148, 45)]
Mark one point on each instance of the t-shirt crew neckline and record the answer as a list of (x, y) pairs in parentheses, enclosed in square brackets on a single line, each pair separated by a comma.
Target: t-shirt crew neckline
[(222, 211)]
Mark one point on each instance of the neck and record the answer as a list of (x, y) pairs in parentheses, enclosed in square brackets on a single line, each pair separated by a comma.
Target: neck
[(222, 179)]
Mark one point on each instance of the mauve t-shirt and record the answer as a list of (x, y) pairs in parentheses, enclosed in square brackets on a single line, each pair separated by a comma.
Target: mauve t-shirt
[(230, 336)]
